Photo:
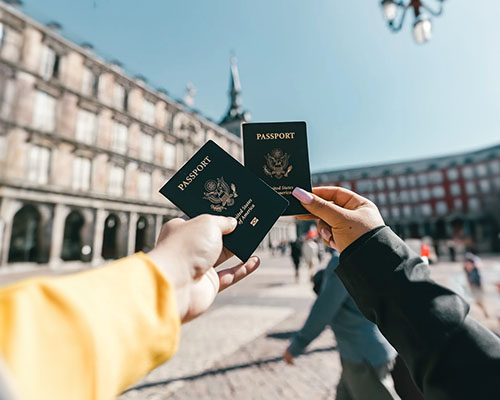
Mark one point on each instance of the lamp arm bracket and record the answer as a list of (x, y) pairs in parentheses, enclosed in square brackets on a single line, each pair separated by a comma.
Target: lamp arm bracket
[(436, 13), (397, 28)]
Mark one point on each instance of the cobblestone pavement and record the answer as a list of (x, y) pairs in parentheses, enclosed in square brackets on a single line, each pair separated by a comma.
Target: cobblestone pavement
[(234, 351)]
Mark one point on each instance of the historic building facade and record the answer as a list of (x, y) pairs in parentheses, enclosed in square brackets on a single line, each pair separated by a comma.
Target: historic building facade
[(452, 197), (84, 149)]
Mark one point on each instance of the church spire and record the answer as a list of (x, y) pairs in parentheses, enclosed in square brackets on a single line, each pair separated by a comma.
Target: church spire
[(235, 114)]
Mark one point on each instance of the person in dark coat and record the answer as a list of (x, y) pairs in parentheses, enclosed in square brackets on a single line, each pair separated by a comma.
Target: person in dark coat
[(449, 354), (296, 253)]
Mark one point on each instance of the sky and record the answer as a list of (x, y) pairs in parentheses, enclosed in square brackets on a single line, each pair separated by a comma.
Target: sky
[(368, 96)]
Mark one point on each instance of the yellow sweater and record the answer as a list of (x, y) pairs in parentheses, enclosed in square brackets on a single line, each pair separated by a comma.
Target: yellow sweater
[(88, 335)]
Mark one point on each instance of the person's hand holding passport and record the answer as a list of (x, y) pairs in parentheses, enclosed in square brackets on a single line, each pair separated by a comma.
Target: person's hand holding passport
[(257, 194)]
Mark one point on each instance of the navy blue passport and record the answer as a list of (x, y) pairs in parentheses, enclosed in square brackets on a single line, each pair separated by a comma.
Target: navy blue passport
[(213, 182), (277, 153)]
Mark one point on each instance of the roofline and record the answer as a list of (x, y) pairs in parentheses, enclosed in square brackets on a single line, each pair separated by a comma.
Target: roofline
[(407, 162), (109, 66)]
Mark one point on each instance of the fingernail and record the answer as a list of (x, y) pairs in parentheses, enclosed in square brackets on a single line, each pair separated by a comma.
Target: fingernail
[(234, 222), (302, 195), (325, 234)]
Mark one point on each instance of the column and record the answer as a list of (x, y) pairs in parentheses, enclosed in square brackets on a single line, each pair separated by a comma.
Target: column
[(158, 226), (8, 209), (60, 214), (100, 219), (132, 230)]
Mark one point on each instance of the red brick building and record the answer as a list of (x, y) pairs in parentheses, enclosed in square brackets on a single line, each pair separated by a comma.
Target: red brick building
[(451, 197)]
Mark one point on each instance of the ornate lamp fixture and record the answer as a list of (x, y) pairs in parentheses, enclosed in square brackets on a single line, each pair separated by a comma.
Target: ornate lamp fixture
[(422, 26)]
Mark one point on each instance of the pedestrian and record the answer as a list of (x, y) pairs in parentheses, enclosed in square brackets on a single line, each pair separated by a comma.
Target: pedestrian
[(448, 353), (310, 252), (296, 253), (367, 358), (88, 336), (472, 264)]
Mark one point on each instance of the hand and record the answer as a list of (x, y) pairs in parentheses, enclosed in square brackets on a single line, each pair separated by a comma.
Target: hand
[(344, 215), (187, 251), (288, 358)]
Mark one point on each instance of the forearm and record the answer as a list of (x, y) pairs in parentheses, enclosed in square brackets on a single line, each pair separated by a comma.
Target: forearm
[(88, 335), (425, 322)]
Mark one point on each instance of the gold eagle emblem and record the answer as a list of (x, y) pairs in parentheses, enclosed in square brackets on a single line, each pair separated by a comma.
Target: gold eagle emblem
[(220, 194), (277, 164)]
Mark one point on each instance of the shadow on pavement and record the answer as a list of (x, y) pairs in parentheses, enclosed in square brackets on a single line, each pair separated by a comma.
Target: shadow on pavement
[(223, 370), (281, 335)]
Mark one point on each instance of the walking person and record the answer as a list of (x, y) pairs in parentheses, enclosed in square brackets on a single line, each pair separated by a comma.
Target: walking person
[(296, 253), (310, 252), (471, 268), (366, 357)]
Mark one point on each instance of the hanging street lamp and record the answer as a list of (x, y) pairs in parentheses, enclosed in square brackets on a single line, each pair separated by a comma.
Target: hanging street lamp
[(422, 25)]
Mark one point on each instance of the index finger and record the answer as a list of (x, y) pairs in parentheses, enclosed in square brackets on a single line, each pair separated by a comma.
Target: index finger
[(338, 195)]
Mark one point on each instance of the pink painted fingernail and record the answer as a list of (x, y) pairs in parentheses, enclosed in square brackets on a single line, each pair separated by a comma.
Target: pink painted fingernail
[(302, 195), (325, 234)]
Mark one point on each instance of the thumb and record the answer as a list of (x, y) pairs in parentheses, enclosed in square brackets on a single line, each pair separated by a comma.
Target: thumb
[(226, 224), (329, 212)]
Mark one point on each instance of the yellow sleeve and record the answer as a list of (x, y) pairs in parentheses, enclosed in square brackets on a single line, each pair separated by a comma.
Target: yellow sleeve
[(88, 335)]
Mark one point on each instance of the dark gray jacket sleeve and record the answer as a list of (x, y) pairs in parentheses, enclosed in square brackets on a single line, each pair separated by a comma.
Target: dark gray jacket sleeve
[(450, 355)]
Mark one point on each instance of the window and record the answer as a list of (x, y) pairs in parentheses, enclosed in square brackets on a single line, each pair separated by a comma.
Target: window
[(407, 211), (426, 209), (457, 204), (382, 198), (119, 97), (9, 99), (496, 182), (2, 34), (90, 82), (44, 113), (115, 184), (425, 194), (391, 183), (404, 196), (423, 179), (380, 184), (414, 195), (393, 197), (494, 167), (148, 112), (144, 186), (169, 159), (412, 180), (384, 211), (86, 127), (441, 207), (345, 185), (81, 173), (455, 189), (481, 170), (364, 185), (38, 164), (402, 181), (452, 174), (395, 212), (49, 66), (484, 185), (470, 188), (474, 204), (435, 177), (119, 137), (468, 172), (438, 192), (146, 147)]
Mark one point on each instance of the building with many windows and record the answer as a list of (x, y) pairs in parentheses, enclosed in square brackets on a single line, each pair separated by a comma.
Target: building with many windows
[(453, 197), (84, 149)]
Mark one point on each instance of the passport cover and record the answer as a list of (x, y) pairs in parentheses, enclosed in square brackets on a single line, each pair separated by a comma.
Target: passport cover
[(277, 153), (213, 182)]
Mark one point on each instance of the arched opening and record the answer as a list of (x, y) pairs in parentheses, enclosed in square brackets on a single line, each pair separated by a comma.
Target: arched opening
[(140, 234), (25, 240), (110, 237), (72, 243)]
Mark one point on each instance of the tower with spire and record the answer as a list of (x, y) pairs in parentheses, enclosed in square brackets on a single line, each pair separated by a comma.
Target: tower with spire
[(235, 115)]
